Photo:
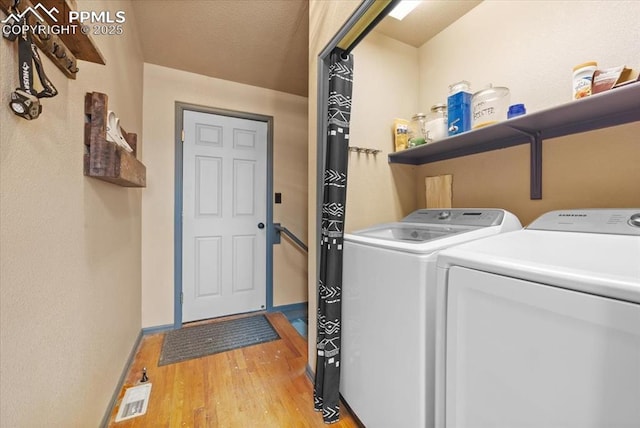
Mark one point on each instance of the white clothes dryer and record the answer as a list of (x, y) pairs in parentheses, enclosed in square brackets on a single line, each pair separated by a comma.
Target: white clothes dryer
[(541, 327), (388, 311)]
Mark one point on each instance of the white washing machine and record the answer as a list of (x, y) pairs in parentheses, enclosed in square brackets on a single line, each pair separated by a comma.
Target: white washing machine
[(541, 327), (388, 311)]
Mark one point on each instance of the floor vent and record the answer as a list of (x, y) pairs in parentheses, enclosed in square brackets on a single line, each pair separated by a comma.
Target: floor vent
[(134, 403)]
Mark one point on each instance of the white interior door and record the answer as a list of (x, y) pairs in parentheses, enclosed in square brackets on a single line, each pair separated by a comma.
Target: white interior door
[(224, 214)]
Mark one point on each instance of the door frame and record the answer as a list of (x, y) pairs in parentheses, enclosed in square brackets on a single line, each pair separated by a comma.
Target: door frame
[(363, 19), (180, 108)]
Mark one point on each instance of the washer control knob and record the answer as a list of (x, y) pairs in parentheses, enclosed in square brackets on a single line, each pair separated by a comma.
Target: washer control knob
[(443, 215), (635, 220)]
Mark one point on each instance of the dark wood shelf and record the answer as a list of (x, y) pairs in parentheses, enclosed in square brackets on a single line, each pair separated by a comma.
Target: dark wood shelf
[(63, 49), (103, 159), (610, 108), (81, 45), (614, 107)]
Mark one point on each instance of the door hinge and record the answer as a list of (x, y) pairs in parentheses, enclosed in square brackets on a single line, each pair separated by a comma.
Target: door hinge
[(182, 136), (181, 297)]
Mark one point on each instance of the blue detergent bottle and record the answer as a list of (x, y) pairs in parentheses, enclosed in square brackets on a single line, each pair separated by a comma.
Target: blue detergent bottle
[(459, 108)]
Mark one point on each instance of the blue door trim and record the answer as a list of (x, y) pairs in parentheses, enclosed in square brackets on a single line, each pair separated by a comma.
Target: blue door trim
[(180, 108)]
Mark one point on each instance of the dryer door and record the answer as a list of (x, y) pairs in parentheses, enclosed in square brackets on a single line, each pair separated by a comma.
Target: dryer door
[(522, 354)]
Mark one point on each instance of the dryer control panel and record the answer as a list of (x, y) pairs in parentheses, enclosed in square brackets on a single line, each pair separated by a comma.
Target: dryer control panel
[(459, 217), (609, 221)]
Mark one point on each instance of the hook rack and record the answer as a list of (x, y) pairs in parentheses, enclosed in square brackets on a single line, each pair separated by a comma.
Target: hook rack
[(63, 49), (365, 150)]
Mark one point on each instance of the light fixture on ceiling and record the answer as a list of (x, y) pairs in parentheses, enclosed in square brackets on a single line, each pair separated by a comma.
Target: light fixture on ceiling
[(403, 9)]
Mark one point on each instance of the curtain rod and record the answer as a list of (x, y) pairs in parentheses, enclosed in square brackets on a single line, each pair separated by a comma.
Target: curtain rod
[(377, 11)]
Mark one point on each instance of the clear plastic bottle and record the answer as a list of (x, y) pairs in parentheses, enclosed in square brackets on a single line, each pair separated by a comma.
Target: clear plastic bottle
[(437, 128), (490, 105), (418, 130)]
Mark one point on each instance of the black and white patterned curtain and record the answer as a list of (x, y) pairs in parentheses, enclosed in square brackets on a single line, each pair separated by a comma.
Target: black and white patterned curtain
[(327, 383)]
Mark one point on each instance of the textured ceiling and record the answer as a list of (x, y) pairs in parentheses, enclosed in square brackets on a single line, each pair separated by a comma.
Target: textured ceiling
[(425, 21), (262, 43)]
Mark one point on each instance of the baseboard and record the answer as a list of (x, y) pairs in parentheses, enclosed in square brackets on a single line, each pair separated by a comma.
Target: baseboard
[(310, 374), (302, 306), (144, 332), (116, 393), (158, 329)]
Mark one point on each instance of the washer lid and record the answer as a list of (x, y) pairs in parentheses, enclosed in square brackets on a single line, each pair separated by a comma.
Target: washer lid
[(478, 217), (428, 230), (419, 239), (411, 232)]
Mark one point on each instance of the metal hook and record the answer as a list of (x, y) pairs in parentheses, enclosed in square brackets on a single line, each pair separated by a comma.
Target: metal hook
[(72, 65), (58, 48), (365, 150)]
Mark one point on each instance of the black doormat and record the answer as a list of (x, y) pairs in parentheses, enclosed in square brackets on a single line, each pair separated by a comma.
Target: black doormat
[(208, 339)]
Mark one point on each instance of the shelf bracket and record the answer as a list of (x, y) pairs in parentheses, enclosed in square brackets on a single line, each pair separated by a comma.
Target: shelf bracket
[(535, 168), (535, 162)]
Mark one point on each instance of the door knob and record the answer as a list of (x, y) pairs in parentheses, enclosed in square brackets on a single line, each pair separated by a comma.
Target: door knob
[(260, 225)]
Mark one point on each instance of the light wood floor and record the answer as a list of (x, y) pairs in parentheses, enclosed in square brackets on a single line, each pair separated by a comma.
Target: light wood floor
[(258, 386)]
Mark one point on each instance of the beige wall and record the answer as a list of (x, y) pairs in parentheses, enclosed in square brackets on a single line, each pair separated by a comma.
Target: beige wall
[(162, 88), (70, 265), (384, 87), (591, 170), (531, 47), (325, 19)]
